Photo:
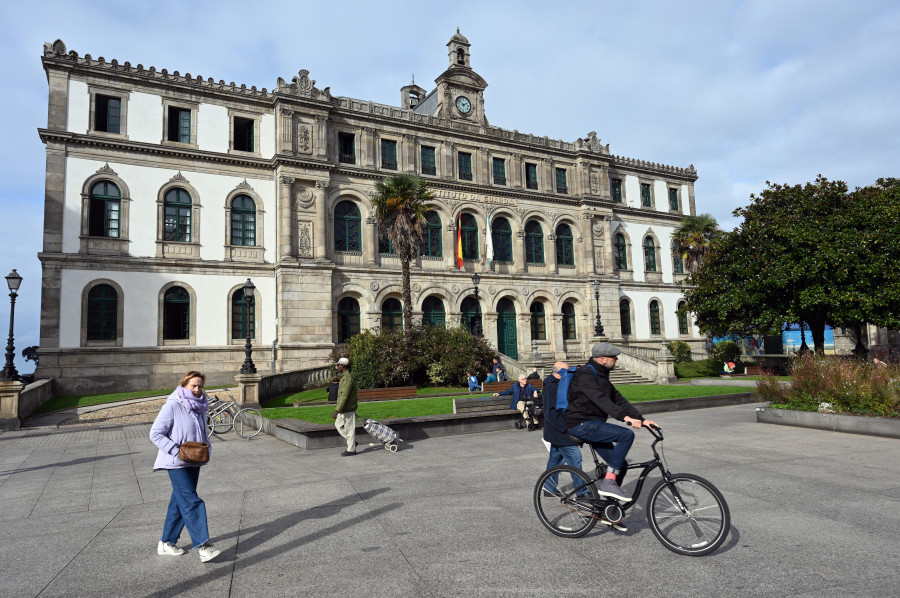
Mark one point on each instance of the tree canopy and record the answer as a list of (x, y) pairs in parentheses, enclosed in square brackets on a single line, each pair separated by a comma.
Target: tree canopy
[(812, 253)]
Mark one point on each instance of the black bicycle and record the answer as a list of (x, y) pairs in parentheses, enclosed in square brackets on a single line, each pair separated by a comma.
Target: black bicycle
[(686, 512)]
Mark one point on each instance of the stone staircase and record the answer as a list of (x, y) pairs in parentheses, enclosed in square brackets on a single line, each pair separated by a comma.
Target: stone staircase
[(618, 376)]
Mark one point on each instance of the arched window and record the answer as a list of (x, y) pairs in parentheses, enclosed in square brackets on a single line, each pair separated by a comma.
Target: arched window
[(385, 247), (501, 234), (105, 207), (649, 255), (621, 252), (347, 235), (534, 243), (177, 203), (683, 327), (431, 241), (677, 262), (102, 313), (348, 319), (565, 252), (538, 322), (240, 320), (625, 316), (460, 56), (470, 314), (469, 233), (176, 314), (568, 322), (433, 311), (655, 327), (392, 315), (243, 221)]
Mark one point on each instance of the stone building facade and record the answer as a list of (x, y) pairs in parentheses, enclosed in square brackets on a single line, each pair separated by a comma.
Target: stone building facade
[(165, 192)]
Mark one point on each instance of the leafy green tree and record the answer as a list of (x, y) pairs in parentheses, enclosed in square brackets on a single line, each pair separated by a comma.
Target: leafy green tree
[(811, 253), (401, 203), (31, 354), (692, 238)]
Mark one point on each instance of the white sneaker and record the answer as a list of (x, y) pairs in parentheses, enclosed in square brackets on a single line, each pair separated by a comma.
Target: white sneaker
[(616, 526), (208, 552), (169, 549)]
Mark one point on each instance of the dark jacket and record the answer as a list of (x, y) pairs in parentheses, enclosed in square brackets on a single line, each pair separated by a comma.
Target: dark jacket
[(593, 397), (533, 376), (519, 394), (555, 431), (332, 392)]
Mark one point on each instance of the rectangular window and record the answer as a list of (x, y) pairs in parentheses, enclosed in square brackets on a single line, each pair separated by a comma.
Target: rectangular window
[(347, 148), (531, 176), (243, 134), (645, 195), (389, 154), (673, 199), (499, 171), (428, 160), (561, 186), (107, 114), (465, 166), (179, 124), (616, 190)]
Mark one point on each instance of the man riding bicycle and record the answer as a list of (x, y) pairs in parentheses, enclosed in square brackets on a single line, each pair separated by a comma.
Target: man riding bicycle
[(592, 400)]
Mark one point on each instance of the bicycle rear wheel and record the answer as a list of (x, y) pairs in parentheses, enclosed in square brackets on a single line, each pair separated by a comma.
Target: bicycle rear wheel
[(220, 422), (560, 508), (248, 422), (700, 527)]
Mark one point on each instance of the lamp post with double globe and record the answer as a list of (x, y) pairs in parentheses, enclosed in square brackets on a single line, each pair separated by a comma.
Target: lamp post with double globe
[(248, 367), (13, 281)]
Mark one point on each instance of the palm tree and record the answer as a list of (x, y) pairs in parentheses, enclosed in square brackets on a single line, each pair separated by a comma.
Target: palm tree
[(401, 203), (692, 238)]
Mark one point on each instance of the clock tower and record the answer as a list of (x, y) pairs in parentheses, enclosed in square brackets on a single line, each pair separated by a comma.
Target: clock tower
[(460, 90)]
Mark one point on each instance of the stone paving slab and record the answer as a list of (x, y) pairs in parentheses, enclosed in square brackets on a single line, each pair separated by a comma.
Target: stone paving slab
[(814, 513)]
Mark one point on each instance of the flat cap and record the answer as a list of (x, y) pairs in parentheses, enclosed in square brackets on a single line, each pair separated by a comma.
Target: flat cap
[(604, 350)]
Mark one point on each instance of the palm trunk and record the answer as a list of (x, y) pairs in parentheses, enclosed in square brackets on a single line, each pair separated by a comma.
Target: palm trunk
[(407, 297)]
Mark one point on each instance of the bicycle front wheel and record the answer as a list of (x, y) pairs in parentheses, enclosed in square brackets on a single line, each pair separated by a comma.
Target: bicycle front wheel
[(563, 510), (219, 423), (697, 528), (248, 422)]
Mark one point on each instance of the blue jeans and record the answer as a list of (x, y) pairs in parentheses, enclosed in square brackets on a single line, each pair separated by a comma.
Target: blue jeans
[(611, 442), (185, 508), (558, 455)]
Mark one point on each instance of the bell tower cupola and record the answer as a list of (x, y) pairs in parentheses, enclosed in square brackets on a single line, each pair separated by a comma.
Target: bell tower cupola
[(459, 50)]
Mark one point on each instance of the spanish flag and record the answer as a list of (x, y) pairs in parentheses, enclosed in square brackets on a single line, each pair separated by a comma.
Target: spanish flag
[(459, 256)]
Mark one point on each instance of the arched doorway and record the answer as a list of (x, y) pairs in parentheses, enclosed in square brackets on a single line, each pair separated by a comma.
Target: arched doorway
[(506, 328), (471, 315)]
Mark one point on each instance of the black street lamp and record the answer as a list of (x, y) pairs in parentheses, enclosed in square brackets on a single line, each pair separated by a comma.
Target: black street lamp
[(9, 374), (248, 367), (598, 326), (476, 329)]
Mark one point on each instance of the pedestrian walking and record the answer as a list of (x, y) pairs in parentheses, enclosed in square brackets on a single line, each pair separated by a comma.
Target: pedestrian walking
[(344, 415)]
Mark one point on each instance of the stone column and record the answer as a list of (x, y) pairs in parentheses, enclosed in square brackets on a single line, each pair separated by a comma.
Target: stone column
[(322, 138), (519, 250), (547, 182), (489, 327), (370, 240), (446, 156), (584, 246), (248, 395), (483, 175), (450, 245), (9, 405), (554, 334), (550, 253), (286, 228), (320, 234), (286, 132), (514, 171), (367, 147), (409, 151)]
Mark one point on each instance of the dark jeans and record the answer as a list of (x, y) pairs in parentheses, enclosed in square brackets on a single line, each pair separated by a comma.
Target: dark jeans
[(611, 442), (185, 508)]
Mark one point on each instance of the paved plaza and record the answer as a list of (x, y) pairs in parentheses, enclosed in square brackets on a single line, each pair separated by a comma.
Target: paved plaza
[(814, 514)]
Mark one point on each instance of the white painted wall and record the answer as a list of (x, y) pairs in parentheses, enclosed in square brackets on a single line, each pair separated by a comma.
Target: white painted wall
[(685, 200), (213, 128), (144, 184), (632, 191), (145, 117), (267, 135), (141, 298), (79, 109)]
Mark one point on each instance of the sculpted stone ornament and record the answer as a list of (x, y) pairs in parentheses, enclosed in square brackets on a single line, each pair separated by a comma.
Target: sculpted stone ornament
[(595, 184), (105, 169), (455, 289), (305, 198), (374, 285), (557, 292), (304, 243), (416, 287), (304, 138), (243, 186), (492, 290), (597, 228), (179, 178), (599, 262)]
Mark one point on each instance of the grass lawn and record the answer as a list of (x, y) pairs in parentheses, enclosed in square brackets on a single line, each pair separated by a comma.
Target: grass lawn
[(635, 393), (315, 395), (70, 401)]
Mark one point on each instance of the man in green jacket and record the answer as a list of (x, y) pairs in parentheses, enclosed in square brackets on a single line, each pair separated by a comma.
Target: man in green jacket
[(344, 415)]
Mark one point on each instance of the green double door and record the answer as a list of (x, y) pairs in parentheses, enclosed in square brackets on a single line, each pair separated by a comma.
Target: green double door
[(506, 328)]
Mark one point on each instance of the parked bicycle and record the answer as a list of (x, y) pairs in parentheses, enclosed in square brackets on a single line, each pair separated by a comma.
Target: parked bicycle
[(686, 512), (225, 415)]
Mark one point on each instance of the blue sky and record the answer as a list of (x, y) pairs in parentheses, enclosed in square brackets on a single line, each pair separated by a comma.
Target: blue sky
[(745, 91)]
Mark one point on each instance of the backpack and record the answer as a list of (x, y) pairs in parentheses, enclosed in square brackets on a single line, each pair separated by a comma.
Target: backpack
[(562, 390)]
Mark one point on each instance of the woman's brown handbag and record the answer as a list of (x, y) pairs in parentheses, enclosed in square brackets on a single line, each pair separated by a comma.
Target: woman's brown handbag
[(196, 453)]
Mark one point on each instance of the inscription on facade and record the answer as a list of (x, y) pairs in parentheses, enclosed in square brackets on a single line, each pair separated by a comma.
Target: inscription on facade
[(463, 196)]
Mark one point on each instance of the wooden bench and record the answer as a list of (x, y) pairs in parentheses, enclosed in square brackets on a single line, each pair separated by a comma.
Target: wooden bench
[(754, 370), (501, 386), (386, 394), (479, 404)]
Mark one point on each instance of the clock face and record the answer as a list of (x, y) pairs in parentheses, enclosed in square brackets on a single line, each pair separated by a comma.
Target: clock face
[(463, 104)]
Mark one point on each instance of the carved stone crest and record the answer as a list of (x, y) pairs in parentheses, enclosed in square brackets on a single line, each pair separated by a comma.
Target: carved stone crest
[(304, 138), (416, 287), (105, 169), (455, 289), (595, 184), (243, 186), (304, 83), (179, 178), (557, 292), (599, 265), (597, 228), (305, 198), (492, 290), (373, 285), (304, 240)]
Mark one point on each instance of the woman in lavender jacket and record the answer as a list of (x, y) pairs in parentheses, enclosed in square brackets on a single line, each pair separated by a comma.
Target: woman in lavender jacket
[(183, 419)]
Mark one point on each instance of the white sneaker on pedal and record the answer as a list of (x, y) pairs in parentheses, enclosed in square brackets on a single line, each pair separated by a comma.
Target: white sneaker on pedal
[(208, 552), (169, 549), (616, 526)]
